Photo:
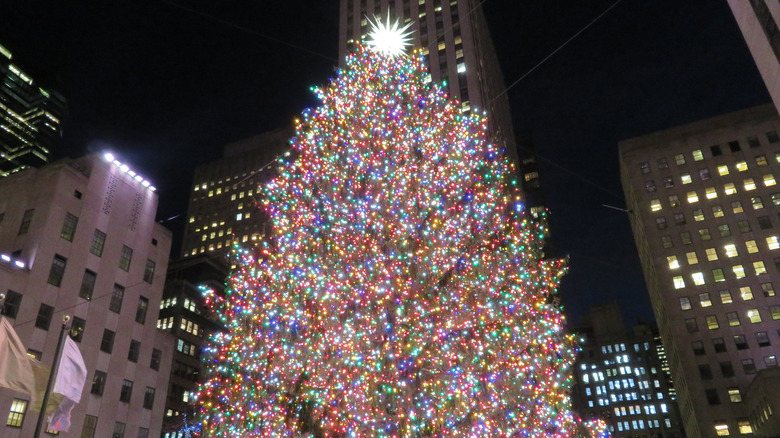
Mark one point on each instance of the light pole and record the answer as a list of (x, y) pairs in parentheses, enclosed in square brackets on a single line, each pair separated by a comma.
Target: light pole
[(54, 369)]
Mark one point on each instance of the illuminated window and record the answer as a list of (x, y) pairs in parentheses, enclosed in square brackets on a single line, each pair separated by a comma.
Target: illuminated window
[(717, 274), (774, 311), (725, 296), (776, 198), (686, 178), (769, 180), (749, 184), (733, 319), (712, 255), (679, 283), (729, 189), (734, 395), (710, 193), (754, 316), (685, 303), (697, 155), (772, 242), (739, 271), (723, 170), (16, 413), (704, 300), (712, 322), (742, 166), (770, 361), (717, 211), (692, 259), (766, 288), (746, 293), (655, 205), (736, 207), (698, 278), (744, 426), (698, 215), (692, 197), (673, 263), (759, 267), (731, 250), (680, 159), (757, 203), (751, 246)]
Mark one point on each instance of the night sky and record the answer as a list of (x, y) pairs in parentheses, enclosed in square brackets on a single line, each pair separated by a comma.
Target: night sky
[(165, 84)]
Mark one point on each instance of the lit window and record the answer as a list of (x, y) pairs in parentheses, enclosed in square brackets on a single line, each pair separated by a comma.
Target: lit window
[(734, 395), (751, 246), (744, 426), (680, 159), (739, 271), (712, 322), (692, 197), (673, 263), (655, 205), (698, 215), (697, 155), (685, 304), (769, 180), (686, 178), (679, 283), (759, 267), (717, 211), (746, 293), (729, 189), (725, 296), (754, 316), (698, 278), (717, 275), (692, 259), (731, 250), (723, 170), (16, 413), (712, 255), (704, 300), (757, 203), (749, 184), (766, 288), (776, 198), (710, 193), (733, 319), (736, 207), (772, 242), (742, 166)]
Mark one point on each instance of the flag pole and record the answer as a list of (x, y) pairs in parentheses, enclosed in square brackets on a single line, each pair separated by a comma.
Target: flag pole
[(54, 367)]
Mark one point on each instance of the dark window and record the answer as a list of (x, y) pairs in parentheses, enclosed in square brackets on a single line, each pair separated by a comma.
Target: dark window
[(98, 382), (90, 424), (77, 194), (691, 326), (149, 398), (698, 348), (753, 142), (98, 242), (668, 183), (662, 163), (744, 226), (660, 223), (726, 369), (724, 230), (740, 342), (57, 270), (24, 227), (107, 343), (679, 218), (11, 305), (705, 372), (143, 432), (712, 396), (763, 339), (748, 366), (119, 430), (734, 146), (154, 242), (644, 167), (715, 150), (127, 391), (685, 237), (764, 222), (43, 320), (772, 137), (135, 349), (719, 345), (69, 227), (125, 258), (115, 305), (140, 311), (77, 328), (704, 174), (149, 271), (156, 357), (87, 284)]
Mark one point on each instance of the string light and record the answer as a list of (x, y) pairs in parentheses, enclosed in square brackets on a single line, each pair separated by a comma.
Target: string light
[(403, 292)]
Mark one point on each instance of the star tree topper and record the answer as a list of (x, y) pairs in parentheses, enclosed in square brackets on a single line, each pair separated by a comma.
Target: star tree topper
[(390, 40)]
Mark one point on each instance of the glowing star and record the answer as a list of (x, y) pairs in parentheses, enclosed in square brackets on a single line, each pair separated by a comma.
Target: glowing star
[(389, 40)]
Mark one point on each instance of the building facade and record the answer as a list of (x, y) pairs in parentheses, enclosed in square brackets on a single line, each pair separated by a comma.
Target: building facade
[(704, 203), (456, 42), (79, 237), (31, 118), (224, 200), (623, 378), (759, 21)]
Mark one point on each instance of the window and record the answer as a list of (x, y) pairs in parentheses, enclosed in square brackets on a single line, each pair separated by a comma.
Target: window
[(662, 163), (725, 296), (770, 361), (692, 258), (143, 432), (11, 305), (149, 398), (127, 391), (685, 237), (679, 283), (711, 254), (704, 174), (115, 305), (125, 257), (748, 366), (723, 170), (98, 242), (685, 178), (24, 227), (704, 234), (57, 270), (724, 230), (107, 343), (736, 207), (739, 271), (721, 428), (705, 373), (733, 319), (140, 311), (768, 289), (729, 189), (119, 430), (719, 345), (698, 215), (734, 395), (154, 363), (69, 227), (744, 226), (754, 316), (77, 328), (749, 184), (685, 303), (668, 182), (753, 141), (666, 241), (660, 223), (710, 193), (764, 223), (98, 382), (772, 137), (759, 267), (751, 246), (740, 342), (692, 197), (679, 218), (43, 320), (757, 203), (644, 167), (715, 149), (655, 204), (746, 293), (726, 369), (691, 326), (698, 348), (776, 198), (744, 426), (672, 261), (704, 299), (769, 180), (135, 349), (717, 275), (90, 424), (717, 211), (16, 413), (674, 200), (712, 322), (763, 339), (679, 159), (87, 284), (734, 146), (731, 250), (712, 396), (149, 271), (741, 166), (697, 155)]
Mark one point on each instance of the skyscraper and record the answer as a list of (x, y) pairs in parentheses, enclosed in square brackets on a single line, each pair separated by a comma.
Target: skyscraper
[(703, 201), (458, 48), (31, 118), (759, 21)]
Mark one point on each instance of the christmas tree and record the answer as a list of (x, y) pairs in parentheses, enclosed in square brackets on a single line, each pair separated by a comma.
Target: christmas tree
[(403, 292)]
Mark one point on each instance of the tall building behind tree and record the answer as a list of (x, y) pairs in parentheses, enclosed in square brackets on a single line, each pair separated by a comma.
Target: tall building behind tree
[(703, 201), (31, 118)]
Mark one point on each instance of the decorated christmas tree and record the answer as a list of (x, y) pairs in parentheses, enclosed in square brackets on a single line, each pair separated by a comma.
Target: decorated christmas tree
[(403, 292)]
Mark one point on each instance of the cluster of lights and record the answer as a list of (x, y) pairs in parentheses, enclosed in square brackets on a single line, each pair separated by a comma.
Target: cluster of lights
[(403, 292), (16, 262), (124, 168)]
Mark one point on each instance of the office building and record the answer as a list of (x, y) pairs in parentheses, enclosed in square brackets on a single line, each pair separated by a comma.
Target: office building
[(456, 42), (759, 21), (31, 118), (703, 201), (623, 378), (78, 237), (224, 204)]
